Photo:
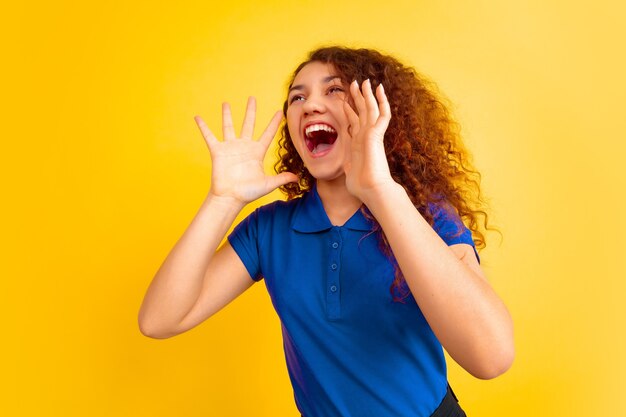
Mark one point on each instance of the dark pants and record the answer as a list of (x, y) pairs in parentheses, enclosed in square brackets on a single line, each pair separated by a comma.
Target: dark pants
[(449, 406)]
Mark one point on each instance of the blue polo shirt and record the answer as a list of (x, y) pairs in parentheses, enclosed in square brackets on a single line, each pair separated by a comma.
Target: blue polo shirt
[(350, 350)]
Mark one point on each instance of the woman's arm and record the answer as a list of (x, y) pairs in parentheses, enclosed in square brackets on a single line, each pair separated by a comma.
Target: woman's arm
[(190, 267), (464, 312), (194, 281)]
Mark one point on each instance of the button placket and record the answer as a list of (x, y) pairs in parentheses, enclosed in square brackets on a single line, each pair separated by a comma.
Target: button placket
[(333, 292)]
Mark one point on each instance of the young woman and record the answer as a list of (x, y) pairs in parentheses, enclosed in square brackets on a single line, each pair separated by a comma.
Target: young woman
[(371, 270)]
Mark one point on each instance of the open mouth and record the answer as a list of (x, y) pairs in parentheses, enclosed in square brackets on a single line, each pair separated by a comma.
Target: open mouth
[(319, 137)]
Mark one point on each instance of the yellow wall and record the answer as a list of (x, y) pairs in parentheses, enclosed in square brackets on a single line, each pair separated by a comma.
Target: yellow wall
[(103, 168)]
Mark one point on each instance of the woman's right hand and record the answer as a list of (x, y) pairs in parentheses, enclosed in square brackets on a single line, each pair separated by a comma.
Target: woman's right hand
[(237, 163)]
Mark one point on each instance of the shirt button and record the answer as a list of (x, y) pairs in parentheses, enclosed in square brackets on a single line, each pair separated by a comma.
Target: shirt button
[(333, 288), (335, 245), (333, 266)]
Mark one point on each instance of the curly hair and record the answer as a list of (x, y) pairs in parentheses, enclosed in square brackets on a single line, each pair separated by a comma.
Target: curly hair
[(422, 144)]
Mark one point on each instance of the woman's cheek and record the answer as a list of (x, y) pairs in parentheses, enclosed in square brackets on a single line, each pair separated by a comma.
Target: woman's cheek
[(297, 143)]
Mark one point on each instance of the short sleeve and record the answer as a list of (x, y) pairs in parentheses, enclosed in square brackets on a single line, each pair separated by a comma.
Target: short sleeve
[(450, 227), (245, 241)]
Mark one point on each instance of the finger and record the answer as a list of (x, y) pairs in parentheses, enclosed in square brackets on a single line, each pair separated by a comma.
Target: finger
[(385, 109), (208, 136), (227, 122), (353, 119), (271, 129), (359, 101), (370, 102), (247, 131)]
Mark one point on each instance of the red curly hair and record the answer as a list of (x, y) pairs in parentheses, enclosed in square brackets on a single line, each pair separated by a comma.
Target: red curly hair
[(422, 144)]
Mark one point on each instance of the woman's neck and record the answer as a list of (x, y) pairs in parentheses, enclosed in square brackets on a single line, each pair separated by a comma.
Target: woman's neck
[(338, 203)]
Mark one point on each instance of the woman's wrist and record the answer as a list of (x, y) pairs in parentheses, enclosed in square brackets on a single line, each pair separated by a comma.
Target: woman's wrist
[(226, 202), (382, 195)]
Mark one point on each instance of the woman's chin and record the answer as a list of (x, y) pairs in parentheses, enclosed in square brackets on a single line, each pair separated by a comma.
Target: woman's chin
[(328, 175)]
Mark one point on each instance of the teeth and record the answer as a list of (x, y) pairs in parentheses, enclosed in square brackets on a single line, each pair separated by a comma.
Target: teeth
[(316, 127)]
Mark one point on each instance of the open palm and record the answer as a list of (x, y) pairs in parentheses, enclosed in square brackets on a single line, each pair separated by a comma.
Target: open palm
[(237, 163)]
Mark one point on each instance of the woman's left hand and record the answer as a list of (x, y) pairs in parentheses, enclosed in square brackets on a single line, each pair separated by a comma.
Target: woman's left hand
[(366, 168)]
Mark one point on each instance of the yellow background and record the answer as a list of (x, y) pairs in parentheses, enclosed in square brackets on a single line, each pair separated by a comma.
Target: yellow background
[(103, 168)]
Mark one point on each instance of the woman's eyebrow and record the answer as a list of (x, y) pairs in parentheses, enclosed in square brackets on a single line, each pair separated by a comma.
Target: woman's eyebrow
[(325, 80)]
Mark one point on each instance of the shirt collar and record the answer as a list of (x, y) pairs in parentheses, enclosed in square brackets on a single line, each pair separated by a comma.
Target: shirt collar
[(310, 216)]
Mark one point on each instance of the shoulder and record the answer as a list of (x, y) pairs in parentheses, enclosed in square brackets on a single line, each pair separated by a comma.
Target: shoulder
[(449, 226), (446, 220), (278, 210), (267, 221), (281, 206), (276, 214)]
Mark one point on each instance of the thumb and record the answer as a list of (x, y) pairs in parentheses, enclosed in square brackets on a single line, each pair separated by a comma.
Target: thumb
[(281, 179), (347, 167)]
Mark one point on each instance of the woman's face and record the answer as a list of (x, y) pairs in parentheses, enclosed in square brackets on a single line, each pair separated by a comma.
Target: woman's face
[(317, 121)]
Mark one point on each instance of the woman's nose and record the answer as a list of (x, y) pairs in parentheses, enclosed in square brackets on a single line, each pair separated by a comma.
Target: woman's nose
[(313, 104)]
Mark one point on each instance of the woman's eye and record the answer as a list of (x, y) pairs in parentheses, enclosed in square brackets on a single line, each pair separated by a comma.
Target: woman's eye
[(335, 89), (296, 98)]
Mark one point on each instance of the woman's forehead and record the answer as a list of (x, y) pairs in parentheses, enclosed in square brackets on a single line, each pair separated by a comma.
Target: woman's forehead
[(315, 71)]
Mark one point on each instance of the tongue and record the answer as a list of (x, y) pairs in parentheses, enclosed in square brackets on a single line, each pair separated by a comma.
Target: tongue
[(321, 141), (321, 148)]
